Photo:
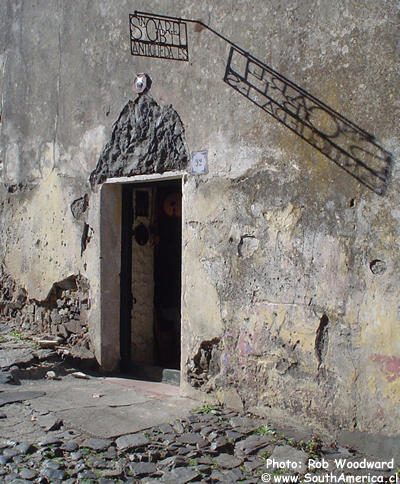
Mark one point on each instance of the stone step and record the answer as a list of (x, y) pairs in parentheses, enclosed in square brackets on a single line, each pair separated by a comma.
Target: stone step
[(155, 373)]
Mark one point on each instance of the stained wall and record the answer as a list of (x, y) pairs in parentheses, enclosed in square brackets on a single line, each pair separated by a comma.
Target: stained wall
[(290, 247)]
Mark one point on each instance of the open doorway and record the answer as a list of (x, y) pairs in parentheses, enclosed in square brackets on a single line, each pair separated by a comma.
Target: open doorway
[(150, 290)]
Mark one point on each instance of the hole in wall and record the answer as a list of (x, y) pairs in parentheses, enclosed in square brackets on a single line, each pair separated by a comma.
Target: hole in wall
[(321, 339), (205, 364), (378, 267)]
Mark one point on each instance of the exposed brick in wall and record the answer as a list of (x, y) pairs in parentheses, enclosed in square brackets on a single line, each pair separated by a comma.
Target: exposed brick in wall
[(62, 314)]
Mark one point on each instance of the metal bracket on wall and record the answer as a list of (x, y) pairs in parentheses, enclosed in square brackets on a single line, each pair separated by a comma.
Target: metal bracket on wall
[(163, 36), (336, 137)]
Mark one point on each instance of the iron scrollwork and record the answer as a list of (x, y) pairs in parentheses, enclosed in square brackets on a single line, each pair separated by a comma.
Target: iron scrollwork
[(158, 36), (352, 148), (341, 140)]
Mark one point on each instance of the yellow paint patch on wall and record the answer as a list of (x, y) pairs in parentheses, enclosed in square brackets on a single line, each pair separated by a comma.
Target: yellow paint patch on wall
[(331, 262), (206, 203), (305, 339), (281, 222), (391, 391), (379, 322), (201, 296), (46, 243)]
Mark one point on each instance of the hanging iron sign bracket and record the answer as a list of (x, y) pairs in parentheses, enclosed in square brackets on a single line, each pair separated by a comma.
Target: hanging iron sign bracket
[(163, 36), (342, 141), (158, 36)]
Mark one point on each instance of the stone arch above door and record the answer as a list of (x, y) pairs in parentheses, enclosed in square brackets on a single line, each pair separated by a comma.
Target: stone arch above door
[(145, 139)]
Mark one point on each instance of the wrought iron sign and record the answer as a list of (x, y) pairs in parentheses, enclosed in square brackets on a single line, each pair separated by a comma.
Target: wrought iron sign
[(158, 36), (341, 140)]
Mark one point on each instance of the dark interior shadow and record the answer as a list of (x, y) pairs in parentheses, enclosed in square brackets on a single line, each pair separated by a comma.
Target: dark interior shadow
[(338, 138)]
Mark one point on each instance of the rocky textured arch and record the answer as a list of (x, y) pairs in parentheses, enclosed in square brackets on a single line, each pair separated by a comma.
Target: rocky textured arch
[(146, 139)]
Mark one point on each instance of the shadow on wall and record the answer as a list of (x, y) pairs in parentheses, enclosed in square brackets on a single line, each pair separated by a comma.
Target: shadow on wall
[(342, 141), (349, 146)]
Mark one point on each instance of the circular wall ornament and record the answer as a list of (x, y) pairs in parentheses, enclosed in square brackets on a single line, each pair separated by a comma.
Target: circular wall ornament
[(142, 83)]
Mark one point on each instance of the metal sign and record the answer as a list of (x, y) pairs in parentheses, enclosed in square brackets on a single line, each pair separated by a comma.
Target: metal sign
[(158, 36), (339, 139)]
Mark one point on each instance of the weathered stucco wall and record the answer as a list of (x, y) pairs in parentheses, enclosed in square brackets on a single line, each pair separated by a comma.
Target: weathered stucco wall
[(290, 264)]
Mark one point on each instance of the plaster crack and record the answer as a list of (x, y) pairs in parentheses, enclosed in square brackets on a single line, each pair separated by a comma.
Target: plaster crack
[(280, 303)]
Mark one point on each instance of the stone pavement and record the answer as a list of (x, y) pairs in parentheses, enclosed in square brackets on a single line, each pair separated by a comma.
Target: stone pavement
[(102, 429)]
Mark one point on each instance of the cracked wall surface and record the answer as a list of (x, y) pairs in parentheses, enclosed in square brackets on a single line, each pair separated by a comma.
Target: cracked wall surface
[(62, 314), (145, 139), (290, 279), (301, 307)]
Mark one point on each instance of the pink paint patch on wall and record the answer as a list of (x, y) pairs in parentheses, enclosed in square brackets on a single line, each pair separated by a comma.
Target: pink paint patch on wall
[(244, 344), (389, 365)]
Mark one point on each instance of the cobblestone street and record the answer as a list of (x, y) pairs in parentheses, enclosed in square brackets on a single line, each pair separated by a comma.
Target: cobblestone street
[(200, 241), (208, 444)]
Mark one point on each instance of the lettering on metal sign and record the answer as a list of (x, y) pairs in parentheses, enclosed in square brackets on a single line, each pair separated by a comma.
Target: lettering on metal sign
[(352, 148), (341, 140), (158, 36)]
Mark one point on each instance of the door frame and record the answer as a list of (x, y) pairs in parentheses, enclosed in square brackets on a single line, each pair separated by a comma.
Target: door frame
[(111, 226)]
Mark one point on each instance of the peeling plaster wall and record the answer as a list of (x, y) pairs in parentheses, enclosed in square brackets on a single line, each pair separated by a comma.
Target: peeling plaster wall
[(290, 265)]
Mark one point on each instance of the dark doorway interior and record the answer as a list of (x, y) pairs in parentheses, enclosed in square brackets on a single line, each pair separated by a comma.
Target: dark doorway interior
[(167, 275), (150, 321)]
